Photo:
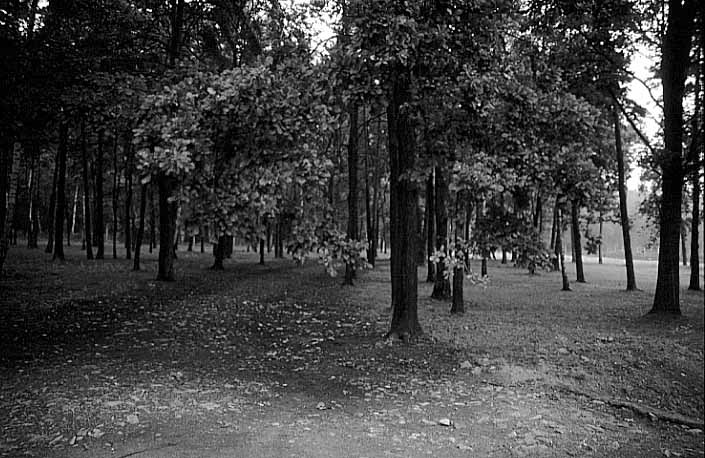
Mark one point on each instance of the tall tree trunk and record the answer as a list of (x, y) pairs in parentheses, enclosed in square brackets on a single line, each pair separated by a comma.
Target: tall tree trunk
[(559, 248), (577, 248), (430, 217), (403, 199), (684, 240), (261, 251), (61, 192), (140, 230), (31, 193), (176, 23), (599, 245), (74, 212), (167, 225), (116, 194), (86, 194), (694, 160), (352, 189), (128, 220), (441, 286), (458, 304), (8, 197), (99, 225), (674, 69), (52, 208), (202, 236), (152, 221)]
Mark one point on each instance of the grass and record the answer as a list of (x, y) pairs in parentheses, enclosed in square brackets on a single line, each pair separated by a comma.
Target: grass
[(268, 360)]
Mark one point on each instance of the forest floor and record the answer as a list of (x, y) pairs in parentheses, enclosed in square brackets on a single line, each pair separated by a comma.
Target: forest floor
[(281, 361)]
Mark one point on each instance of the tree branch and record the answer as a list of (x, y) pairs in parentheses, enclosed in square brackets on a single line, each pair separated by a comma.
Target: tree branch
[(632, 123)]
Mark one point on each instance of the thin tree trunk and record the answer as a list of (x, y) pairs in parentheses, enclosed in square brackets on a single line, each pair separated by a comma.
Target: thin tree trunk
[(140, 230), (152, 221), (599, 245), (31, 191), (128, 221), (577, 248), (352, 188), (403, 199), (61, 192), (167, 224), (99, 226), (261, 251), (52, 208), (202, 234), (458, 304), (559, 247), (86, 193), (684, 240), (430, 218), (441, 286), (116, 194), (72, 230)]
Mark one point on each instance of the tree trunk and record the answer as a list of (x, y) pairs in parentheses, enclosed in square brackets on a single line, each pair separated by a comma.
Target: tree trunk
[(167, 224), (577, 248), (32, 193), (403, 199), (458, 306), (116, 194), (152, 221), (52, 208), (128, 220), (599, 245), (86, 193), (202, 236), (352, 189), (8, 197), (684, 241), (261, 251), (694, 161), (430, 217), (694, 241), (74, 213), (674, 68), (140, 230), (559, 247), (219, 249), (554, 230), (441, 286), (99, 226), (61, 192)]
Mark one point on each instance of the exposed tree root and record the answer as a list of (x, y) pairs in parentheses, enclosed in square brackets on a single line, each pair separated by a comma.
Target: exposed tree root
[(643, 410)]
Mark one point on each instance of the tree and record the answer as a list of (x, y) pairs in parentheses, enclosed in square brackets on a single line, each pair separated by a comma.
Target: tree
[(675, 55)]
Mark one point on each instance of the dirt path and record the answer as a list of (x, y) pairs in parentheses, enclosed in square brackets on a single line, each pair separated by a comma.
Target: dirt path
[(278, 361)]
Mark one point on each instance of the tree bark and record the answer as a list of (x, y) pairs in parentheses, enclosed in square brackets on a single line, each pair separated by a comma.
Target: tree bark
[(674, 65), (219, 249), (441, 285), (559, 247), (86, 194), (403, 199), (99, 226), (8, 197), (261, 251), (128, 220), (684, 241), (52, 208), (140, 230), (577, 248), (116, 194), (599, 245), (32, 194), (352, 189), (61, 192), (430, 217), (152, 221), (167, 224)]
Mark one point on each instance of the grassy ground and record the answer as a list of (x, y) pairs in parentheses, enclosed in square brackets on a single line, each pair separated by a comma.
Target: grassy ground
[(277, 360)]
